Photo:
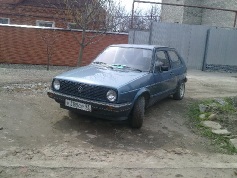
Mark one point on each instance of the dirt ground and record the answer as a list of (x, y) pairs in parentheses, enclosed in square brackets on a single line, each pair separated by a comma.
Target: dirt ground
[(39, 139)]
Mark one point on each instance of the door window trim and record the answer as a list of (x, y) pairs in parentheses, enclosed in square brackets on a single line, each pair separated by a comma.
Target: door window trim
[(171, 62), (167, 57)]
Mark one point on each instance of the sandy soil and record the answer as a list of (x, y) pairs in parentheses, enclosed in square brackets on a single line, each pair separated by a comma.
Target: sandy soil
[(39, 139)]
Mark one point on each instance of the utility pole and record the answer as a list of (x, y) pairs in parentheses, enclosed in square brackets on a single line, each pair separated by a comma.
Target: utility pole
[(133, 4)]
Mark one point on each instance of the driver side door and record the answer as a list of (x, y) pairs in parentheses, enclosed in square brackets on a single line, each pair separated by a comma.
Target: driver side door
[(163, 76)]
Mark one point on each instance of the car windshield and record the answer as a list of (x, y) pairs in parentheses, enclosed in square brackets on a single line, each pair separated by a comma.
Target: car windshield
[(126, 58)]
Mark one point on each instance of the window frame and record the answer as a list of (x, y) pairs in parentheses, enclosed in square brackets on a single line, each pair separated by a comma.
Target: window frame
[(173, 65), (8, 20), (69, 23), (44, 21), (167, 57)]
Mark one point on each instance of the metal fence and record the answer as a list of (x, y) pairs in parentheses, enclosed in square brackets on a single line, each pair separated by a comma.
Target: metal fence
[(202, 47), (222, 47)]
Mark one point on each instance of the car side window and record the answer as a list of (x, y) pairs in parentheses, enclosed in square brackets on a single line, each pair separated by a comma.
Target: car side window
[(176, 62), (162, 59)]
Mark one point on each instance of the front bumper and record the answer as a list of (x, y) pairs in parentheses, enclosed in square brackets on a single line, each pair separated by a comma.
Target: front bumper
[(98, 109)]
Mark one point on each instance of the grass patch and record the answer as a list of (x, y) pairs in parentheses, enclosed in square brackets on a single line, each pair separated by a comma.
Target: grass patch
[(223, 107)]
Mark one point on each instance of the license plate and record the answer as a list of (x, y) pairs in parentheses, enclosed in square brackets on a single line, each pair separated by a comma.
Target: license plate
[(78, 105)]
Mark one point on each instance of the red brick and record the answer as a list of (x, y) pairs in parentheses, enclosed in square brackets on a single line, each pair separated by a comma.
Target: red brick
[(26, 46)]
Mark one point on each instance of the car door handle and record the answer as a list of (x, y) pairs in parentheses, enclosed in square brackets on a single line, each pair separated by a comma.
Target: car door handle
[(171, 73)]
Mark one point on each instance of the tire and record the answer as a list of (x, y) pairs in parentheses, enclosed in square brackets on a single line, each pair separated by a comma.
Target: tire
[(179, 95), (137, 117)]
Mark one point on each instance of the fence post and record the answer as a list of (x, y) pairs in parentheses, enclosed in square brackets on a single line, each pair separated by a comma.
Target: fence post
[(206, 51), (235, 19), (150, 36)]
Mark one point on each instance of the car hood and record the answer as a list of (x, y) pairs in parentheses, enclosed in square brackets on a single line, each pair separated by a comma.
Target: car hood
[(101, 76)]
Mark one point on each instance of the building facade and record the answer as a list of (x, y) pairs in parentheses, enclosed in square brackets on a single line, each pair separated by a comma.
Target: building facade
[(49, 13), (23, 41), (32, 12), (198, 16)]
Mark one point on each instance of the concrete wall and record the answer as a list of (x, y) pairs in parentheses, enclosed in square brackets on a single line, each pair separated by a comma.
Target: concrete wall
[(24, 45), (219, 18), (197, 16), (193, 15), (172, 14)]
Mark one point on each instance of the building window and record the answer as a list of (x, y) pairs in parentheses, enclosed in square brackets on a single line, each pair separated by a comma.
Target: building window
[(73, 26), (4, 20), (43, 23)]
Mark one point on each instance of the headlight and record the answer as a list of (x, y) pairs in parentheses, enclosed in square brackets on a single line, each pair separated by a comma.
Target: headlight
[(111, 95), (56, 84)]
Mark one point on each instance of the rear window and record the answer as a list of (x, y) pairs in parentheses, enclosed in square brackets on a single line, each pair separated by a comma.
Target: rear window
[(176, 62)]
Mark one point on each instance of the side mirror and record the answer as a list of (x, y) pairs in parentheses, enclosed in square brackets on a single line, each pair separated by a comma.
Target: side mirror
[(164, 68)]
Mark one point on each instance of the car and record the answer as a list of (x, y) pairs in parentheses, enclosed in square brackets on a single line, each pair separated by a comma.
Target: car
[(122, 82)]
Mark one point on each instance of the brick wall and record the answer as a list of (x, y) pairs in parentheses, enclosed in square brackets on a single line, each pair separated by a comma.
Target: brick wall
[(28, 15), (21, 45)]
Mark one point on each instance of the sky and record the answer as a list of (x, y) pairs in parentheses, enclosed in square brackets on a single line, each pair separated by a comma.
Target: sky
[(128, 4)]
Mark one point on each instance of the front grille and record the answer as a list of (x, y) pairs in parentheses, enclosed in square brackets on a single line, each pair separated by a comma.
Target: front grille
[(82, 90)]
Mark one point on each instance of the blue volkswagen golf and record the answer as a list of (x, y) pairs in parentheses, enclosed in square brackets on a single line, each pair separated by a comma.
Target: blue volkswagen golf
[(122, 82)]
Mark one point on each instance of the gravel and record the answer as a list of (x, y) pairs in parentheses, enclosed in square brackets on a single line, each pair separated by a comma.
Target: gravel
[(28, 79), (34, 67), (28, 74), (39, 139)]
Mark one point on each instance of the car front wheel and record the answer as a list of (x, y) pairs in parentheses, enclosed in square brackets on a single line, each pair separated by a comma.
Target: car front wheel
[(180, 91), (138, 111)]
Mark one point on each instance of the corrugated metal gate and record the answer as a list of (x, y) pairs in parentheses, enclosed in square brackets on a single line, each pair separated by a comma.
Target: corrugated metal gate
[(222, 47), (200, 46)]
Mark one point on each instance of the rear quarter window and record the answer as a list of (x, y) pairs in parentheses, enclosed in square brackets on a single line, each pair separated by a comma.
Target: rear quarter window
[(175, 60)]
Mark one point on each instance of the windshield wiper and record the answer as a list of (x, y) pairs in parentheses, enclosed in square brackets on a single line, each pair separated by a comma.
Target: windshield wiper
[(102, 63), (118, 66), (135, 69), (121, 66)]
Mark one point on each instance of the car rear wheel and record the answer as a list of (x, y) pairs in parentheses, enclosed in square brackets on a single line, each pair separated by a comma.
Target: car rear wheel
[(179, 95), (138, 111)]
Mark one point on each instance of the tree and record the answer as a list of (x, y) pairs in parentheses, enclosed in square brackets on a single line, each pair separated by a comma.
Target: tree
[(49, 37), (92, 17), (143, 18), (153, 13), (96, 17), (118, 18)]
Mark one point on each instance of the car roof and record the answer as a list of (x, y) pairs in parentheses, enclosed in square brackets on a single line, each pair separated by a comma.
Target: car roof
[(143, 46)]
